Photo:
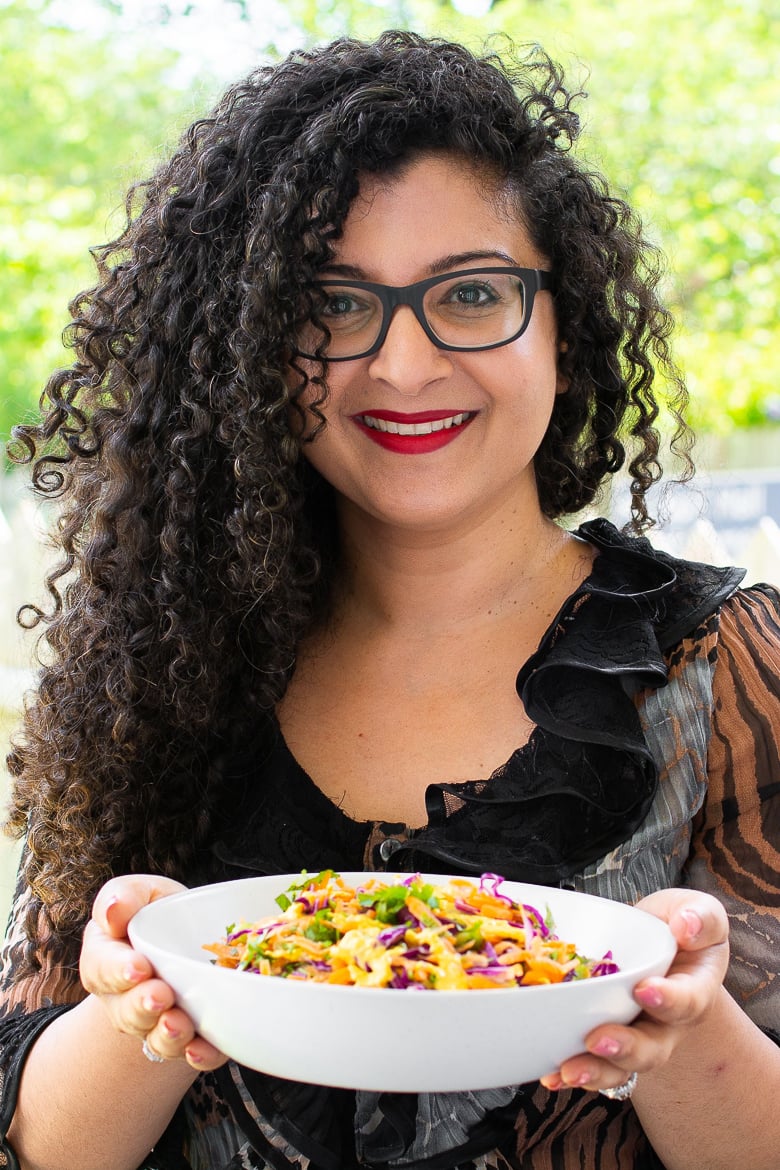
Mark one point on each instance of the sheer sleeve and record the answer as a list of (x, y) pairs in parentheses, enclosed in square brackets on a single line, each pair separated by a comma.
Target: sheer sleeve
[(736, 841), (29, 1001)]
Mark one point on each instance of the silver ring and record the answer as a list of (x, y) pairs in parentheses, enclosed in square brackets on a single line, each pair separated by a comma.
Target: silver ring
[(621, 1092), (150, 1054)]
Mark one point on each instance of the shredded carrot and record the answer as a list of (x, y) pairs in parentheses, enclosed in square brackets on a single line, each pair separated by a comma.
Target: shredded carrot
[(462, 935)]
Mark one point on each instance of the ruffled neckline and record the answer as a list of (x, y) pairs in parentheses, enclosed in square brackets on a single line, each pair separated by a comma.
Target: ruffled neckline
[(580, 786)]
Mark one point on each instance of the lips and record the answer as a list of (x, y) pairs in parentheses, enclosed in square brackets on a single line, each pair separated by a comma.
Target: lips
[(413, 434)]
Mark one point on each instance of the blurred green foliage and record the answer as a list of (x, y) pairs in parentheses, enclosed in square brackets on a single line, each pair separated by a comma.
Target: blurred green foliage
[(81, 120), (682, 114)]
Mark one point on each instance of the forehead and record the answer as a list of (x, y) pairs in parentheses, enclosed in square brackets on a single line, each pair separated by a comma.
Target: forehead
[(434, 206)]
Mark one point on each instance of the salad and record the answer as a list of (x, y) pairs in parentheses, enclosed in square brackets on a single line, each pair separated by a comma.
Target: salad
[(410, 934)]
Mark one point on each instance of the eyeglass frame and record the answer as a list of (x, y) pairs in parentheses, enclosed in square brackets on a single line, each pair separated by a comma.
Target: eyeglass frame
[(391, 297)]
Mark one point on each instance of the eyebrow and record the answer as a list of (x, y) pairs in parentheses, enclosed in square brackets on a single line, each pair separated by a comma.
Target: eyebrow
[(443, 264)]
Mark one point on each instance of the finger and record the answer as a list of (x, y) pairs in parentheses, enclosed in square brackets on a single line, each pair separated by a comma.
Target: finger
[(681, 998), (639, 1048), (592, 1078), (699, 926), (690, 987), (613, 1056), (583, 1072), (173, 1030), (697, 920), (203, 1056), (122, 897), (108, 966), (137, 1012)]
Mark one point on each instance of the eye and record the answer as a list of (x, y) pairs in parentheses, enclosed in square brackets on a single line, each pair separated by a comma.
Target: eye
[(475, 295), (472, 294), (340, 305)]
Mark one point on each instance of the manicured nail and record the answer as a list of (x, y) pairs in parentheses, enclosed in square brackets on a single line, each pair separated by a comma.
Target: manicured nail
[(606, 1047), (649, 997), (152, 1004), (110, 908), (580, 1081), (133, 975), (193, 1057), (693, 923), (169, 1030)]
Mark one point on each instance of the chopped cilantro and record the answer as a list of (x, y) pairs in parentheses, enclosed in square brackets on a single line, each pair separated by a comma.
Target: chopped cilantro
[(387, 903), (426, 893), (320, 929), (307, 880)]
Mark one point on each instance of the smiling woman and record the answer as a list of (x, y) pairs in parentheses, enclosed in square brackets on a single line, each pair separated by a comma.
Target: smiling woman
[(371, 339), (487, 372)]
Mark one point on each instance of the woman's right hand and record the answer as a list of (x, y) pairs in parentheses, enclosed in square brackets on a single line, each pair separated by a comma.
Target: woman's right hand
[(138, 1003)]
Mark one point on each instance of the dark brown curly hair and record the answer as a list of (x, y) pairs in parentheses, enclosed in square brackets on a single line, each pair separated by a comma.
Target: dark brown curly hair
[(196, 542)]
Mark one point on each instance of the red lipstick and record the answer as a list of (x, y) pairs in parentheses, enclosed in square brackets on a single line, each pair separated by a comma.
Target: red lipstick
[(413, 434)]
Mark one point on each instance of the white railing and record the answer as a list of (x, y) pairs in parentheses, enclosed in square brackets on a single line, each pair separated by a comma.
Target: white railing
[(757, 549)]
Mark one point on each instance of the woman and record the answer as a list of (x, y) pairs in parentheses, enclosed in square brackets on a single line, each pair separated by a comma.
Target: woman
[(367, 337)]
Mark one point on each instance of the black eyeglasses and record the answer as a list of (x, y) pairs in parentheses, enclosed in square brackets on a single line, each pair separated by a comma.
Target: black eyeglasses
[(477, 308)]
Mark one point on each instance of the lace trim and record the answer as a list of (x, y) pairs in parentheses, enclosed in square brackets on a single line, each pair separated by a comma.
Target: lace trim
[(586, 779)]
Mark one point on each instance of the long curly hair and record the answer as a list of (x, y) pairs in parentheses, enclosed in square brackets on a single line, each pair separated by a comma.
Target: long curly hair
[(196, 543)]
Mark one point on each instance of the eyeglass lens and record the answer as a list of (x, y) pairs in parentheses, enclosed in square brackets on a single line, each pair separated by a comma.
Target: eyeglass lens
[(469, 311)]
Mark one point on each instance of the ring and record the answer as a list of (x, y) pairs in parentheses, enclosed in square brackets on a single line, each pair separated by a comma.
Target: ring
[(621, 1092), (150, 1054)]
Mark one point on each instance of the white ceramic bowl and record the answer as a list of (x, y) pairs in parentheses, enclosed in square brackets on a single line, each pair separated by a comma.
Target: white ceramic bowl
[(394, 1040)]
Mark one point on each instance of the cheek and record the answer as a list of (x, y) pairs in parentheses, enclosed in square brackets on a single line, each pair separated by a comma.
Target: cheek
[(528, 383)]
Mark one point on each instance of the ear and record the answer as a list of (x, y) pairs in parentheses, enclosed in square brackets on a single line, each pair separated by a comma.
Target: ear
[(562, 380)]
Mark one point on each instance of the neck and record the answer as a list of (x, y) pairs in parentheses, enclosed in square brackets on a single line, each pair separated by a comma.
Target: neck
[(435, 581)]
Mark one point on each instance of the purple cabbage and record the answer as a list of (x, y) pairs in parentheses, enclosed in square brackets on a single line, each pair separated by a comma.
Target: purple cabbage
[(490, 882), (393, 935), (465, 908), (605, 966), (312, 903), (537, 923), (421, 952), (493, 969), (237, 934)]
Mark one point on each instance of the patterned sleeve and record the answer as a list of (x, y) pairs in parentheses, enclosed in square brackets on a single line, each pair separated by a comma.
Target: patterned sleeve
[(29, 1001), (736, 841)]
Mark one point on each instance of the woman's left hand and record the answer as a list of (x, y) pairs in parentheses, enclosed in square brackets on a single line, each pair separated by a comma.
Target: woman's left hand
[(672, 1005)]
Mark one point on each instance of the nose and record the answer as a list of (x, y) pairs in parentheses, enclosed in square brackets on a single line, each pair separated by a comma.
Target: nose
[(408, 359)]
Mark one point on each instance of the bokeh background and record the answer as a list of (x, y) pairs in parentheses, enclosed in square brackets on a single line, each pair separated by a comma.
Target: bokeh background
[(682, 113)]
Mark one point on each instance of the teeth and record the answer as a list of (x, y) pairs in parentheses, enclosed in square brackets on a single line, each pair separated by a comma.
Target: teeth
[(424, 428)]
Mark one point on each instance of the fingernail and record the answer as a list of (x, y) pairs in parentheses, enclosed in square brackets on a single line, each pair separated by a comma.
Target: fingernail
[(193, 1057), (606, 1047), (169, 1030), (693, 923), (553, 1083), (649, 996), (580, 1081), (109, 909), (152, 1004), (133, 975)]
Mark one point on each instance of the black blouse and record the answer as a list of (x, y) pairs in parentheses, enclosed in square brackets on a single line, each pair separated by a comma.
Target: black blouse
[(580, 786)]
